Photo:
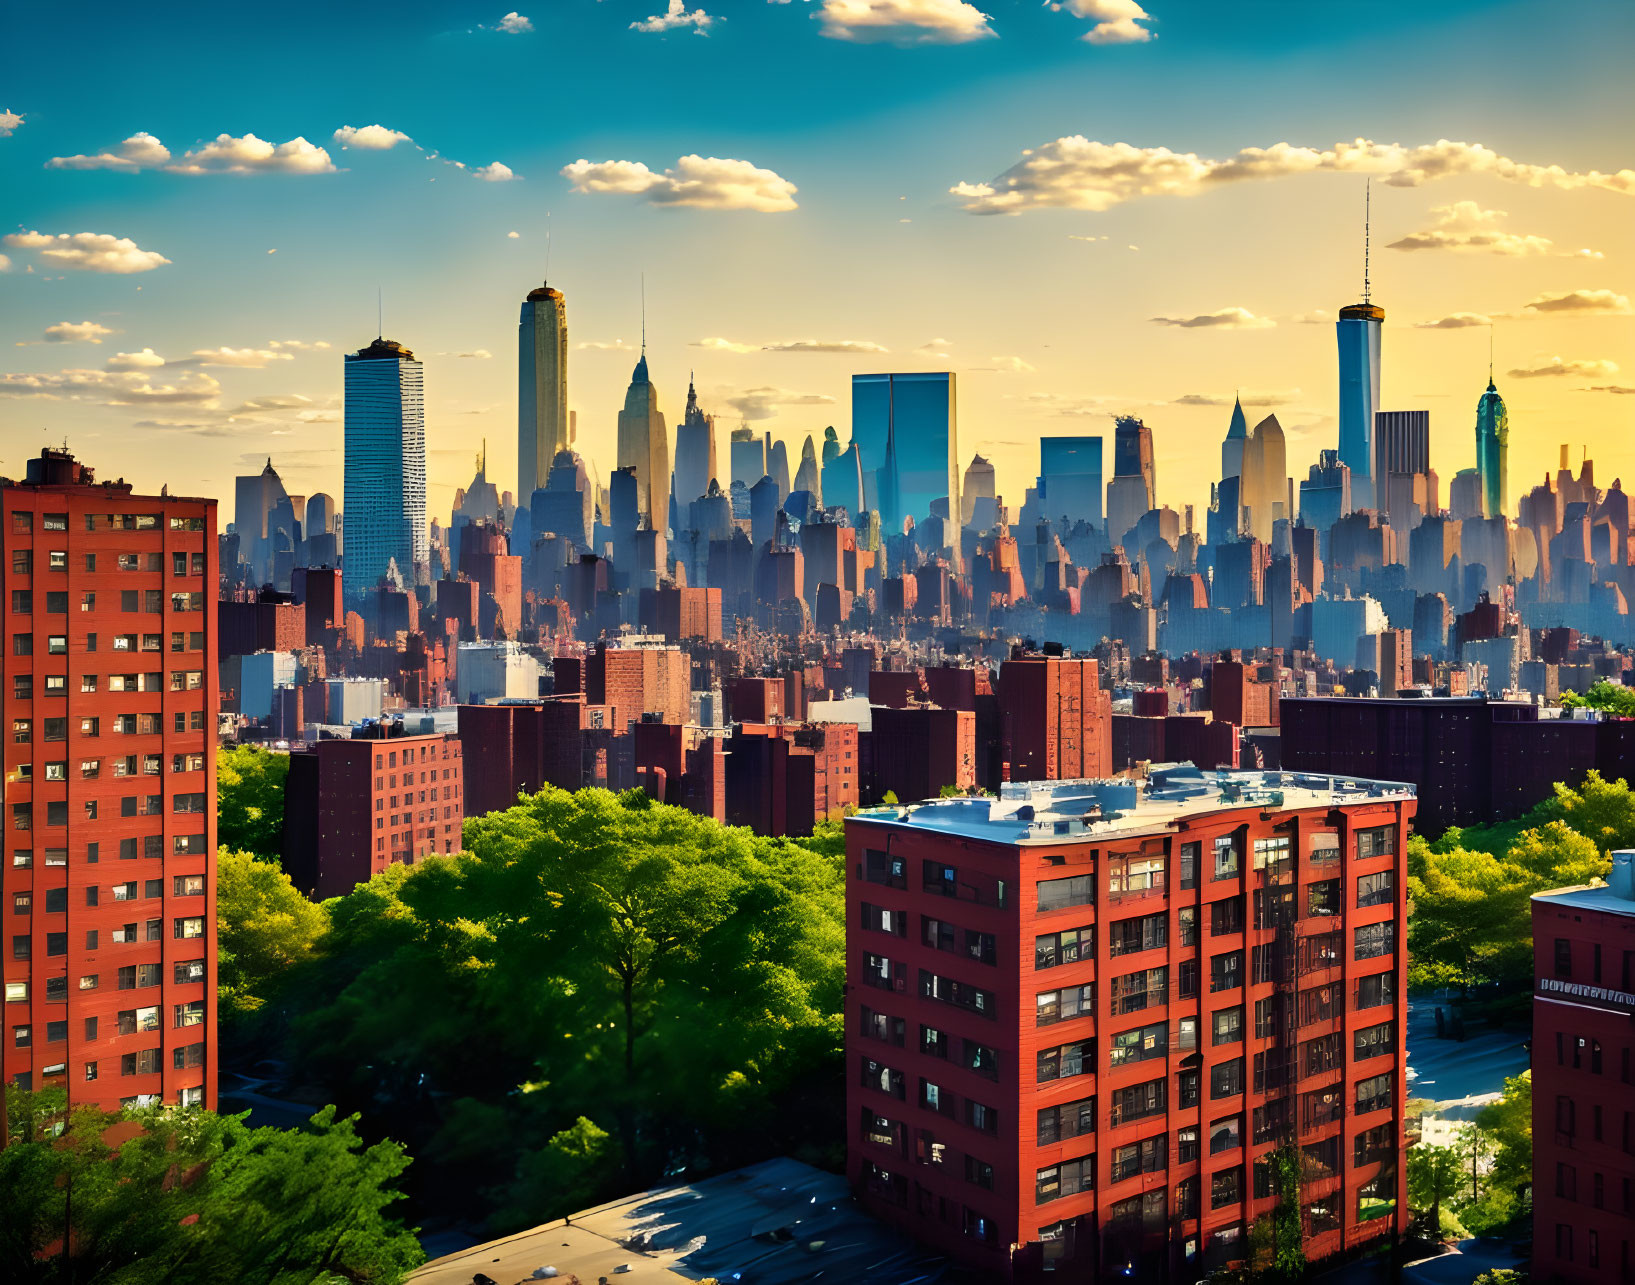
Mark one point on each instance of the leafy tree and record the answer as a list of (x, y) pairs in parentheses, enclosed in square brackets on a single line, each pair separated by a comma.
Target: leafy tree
[(154, 1195), (589, 962), (264, 928), (1613, 698), (1509, 1124), (1602, 811), (1435, 1174), (250, 800)]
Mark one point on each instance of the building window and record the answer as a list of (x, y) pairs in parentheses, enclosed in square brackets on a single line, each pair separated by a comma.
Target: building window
[(1374, 940), (1228, 859), (1375, 1041), (1563, 957), (1224, 1188), (1189, 864), (1226, 971), (1066, 1060), (878, 867), (1376, 990), (1227, 1025), (1067, 1179), (1068, 1120), (1130, 874), (1376, 889), (1225, 1134), (1136, 1102), (1374, 1093), (1377, 842), (1226, 1079), (1066, 947), (1063, 1005), (1226, 916), (1143, 932), (1138, 1045), (1059, 894)]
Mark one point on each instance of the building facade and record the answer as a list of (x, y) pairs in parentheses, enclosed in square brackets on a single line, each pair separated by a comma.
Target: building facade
[(385, 483), (543, 426), (1357, 334), (906, 429), (353, 806), (1084, 1019), (109, 874), (1583, 1070)]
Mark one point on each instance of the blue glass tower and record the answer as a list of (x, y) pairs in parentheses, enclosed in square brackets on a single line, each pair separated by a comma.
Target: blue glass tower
[(1358, 331), (906, 430), (385, 482), (1492, 450)]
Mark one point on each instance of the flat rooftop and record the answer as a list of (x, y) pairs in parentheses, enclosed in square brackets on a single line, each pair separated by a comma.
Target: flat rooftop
[(1601, 898), (1049, 811), (780, 1222)]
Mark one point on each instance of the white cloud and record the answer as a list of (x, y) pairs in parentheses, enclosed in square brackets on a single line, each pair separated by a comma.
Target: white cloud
[(70, 332), (763, 403), (477, 354), (1596, 368), (1221, 319), (717, 344), (1583, 301), (141, 151), (275, 402), (9, 121), (619, 345), (904, 22), (1074, 236), (514, 24), (5, 263), (1077, 173), (1012, 365), (1455, 321), (1465, 225), (825, 345), (1248, 397), (297, 345), (676, 16), (319, 416), (513, 235), (1316, 317), (703, 182), (494, 172), (1582, 254), (112, 388), (1118, 22), (89, 251), (370, 138), (147, 359), (248, 358)]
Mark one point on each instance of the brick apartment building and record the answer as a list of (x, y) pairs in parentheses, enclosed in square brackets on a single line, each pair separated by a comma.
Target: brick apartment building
[(1057, 720), (1583, 1070), (1081, 1017), (108, 876), (353, 806)]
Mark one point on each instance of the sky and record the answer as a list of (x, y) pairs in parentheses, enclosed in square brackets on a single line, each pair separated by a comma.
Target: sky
[(1085, 208)]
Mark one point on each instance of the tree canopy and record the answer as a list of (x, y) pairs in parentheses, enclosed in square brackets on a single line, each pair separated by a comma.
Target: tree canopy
[(264, 928), (250, 800), (600, 990), (1613, 698), (157, 1195)]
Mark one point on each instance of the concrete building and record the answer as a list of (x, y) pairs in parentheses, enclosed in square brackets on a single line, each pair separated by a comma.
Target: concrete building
[(1583, 1066), (1082, 1019), (354, 806), (494, 671), (109, 874)]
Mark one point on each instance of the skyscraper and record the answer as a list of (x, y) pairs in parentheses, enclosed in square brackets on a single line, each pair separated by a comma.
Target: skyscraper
[(543, 426), (1358, 335), (1070, 478), (1493, 450), (385, 485), (695, 455), (906, 428), (1135, 477), (109, 876), (644, 445)]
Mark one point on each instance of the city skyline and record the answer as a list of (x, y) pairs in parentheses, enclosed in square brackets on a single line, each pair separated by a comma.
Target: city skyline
[(775, 306)]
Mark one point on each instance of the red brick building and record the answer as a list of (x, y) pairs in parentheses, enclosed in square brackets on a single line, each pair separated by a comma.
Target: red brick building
[(1057, 721), (1583, 1070), (915, 751), (783, 778), (270, 623), (109, 873), (637, 680), (1080, 1019), (354, 806), (682, 613)]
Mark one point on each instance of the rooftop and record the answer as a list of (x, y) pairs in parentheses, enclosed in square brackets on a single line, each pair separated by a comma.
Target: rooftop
[(777, 1223), (1047, 812), (1587, 897)]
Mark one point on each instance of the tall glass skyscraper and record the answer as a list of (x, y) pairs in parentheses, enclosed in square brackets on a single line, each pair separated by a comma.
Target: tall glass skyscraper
[(906, 430), (543, 426), (1493, 450), (1358, 333), (1070, 478), (385, 496)]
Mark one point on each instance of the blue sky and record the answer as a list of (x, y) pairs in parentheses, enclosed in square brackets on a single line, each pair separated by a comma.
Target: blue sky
[(1050, 329)]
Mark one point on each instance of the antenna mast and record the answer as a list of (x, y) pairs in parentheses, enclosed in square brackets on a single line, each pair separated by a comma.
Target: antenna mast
[(1368, 211), (644, 314), (380, 313)]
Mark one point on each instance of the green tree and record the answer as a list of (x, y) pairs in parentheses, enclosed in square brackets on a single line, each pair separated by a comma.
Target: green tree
[(1602, 811), (1509, 1124), (1435, 1175), (264, 929), (141, 1197), (250, 800), (1614, 698)]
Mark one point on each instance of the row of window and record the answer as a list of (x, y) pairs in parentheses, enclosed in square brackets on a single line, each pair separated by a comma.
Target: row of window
[(55, 900), (932, 1096), (181, 642), (56, 729), (151, 601), (131, 1021), (181, 564), (1583, 1053), (22, 522)]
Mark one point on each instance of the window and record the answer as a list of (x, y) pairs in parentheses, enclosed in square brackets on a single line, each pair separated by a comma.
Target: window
[(979, 1173), (189, 927), (1139, 1044), (1059, 894), (132, 1020), (934, 1043), (1143, 989), (1225, 1134), (1325, 847), (1150, 1155), (145, 1062), (1225, 916), (191, 1055), (1065, 1061), (1189, 864), (190, 1013), (1224, 1188), (1376, 889), (1063, 1005), (1374, 1093), (1066, 947), (1066, 1179), (1226, 1079), (959, 994), (877, 1075), (1273, 853), (1068, 1120), (1374, 940), (1186, 1145), (1375, 1041), (1186, 919), (1226, 1025), (1323, 897), (1227, 857), (1129, 874), (1321, 1055), (1226, 971), (1273, 1121), (939, 878), (1144, 932), (1377, 1197), (1563, 957), (1136, 1102), (1378, 842), (981, 1117), (877, 1026), (1374, 1145)]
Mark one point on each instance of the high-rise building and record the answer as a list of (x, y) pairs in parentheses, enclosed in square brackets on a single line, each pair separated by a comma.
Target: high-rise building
[(1087, 1021), (1493, 451), (109, 878), (644, 446), (1583, 1039), (385, 484), (1070, 478), (1134, 488), (1264, 485), (695, 455), (1358, 334), (906, 428), (543, 425)]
